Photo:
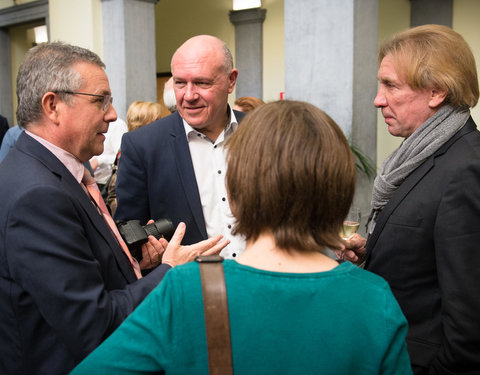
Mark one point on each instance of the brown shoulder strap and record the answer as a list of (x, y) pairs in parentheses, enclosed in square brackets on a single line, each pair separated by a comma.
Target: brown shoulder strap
[(216, 315)]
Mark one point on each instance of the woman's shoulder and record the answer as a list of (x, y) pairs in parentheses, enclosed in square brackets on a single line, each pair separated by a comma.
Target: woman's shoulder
[(364, 277), (347, 271)]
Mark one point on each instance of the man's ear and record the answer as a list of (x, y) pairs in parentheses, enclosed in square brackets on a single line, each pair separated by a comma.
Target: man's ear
[(437, 98), (50, 106), (232, 79)]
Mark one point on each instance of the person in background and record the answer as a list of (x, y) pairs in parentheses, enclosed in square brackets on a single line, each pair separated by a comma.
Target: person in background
[(425, 222), (3, 127), (66, 279), (169, 96), (102, 164), (175, 167), (291, 180), (9, 140), (247, 103), (139, 113)]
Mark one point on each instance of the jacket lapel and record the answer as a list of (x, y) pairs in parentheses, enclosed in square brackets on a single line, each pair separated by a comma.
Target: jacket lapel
[(101, 226), (186, 174), (70, 185)]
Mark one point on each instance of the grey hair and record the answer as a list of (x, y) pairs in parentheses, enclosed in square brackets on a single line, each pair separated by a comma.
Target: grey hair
[(228, 63), (49, 67)]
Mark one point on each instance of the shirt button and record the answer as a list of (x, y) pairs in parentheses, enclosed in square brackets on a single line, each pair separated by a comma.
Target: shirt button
[(219, 172), (229, 226), (234, 255), (223, 199)]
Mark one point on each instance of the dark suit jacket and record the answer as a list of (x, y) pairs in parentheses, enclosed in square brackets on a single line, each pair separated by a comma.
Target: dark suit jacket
[(426, 244), (156, 178), (65, 283)]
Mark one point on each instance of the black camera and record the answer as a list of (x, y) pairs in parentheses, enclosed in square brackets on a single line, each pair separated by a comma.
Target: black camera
[(136, 235)]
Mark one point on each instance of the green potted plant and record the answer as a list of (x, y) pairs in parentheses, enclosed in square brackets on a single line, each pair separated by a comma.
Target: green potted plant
[(363, 163)]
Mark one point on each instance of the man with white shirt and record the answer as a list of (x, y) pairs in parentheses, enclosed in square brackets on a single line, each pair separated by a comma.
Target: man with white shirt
[(175, 167)]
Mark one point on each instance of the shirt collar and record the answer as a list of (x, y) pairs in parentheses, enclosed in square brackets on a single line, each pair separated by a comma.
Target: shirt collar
[(70, 161), (230, 127)]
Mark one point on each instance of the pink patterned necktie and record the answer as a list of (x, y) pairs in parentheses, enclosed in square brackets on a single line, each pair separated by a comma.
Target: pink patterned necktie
[(96, 196)]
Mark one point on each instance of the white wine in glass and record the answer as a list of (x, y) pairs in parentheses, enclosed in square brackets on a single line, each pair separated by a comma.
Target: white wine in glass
[(351, 223)]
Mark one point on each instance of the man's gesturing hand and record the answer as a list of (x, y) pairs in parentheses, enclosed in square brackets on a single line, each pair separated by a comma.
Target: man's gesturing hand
[(175, 254)]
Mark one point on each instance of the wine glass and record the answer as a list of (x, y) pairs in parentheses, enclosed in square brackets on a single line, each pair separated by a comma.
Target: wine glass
[(351, 223)]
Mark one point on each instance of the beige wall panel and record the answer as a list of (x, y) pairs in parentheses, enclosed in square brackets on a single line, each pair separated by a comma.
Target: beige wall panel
[(394, 15), (9, 3), (273, 50), (178, 20), (22, 38), (77, 22), (466, 21)]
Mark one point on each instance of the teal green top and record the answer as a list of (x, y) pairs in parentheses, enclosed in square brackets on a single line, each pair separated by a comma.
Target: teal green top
[(343, 321)]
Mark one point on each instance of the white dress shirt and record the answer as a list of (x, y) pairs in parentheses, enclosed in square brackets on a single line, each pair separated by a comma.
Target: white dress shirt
[(113, 140), (209, 164)]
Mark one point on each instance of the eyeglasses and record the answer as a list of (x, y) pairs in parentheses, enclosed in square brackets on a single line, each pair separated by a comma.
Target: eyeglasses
[(107, 99)]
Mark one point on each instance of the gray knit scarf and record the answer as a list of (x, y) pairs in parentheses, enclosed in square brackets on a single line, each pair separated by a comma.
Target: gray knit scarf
[(413, 151)]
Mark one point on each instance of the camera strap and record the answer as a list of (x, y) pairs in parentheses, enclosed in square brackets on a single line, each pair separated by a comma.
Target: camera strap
[(217, 322)]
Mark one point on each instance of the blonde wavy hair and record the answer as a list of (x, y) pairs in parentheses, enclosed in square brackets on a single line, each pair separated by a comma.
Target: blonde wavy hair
[(141, 113)]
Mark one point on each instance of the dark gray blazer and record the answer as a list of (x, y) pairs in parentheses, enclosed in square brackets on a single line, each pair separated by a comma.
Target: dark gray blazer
[(426, 244), (65, 283), (156, 178)]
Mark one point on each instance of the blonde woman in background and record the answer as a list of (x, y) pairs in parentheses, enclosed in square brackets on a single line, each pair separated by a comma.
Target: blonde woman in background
[(139, 113)]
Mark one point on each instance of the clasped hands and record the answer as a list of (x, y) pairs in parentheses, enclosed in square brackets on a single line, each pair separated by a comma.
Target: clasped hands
[(353, 250), (173, 253)]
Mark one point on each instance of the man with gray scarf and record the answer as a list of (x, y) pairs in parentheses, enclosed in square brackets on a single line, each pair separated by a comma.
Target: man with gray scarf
[(424, 230)]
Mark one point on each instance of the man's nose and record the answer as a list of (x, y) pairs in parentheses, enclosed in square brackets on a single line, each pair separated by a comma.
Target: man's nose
[(110, 114), (190, 92), (380, 100)]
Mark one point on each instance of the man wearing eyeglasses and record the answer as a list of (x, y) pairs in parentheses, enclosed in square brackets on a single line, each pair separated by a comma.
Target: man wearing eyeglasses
[(66, 280)]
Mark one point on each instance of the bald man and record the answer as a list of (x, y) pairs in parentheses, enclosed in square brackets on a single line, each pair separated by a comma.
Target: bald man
[(175, 167)]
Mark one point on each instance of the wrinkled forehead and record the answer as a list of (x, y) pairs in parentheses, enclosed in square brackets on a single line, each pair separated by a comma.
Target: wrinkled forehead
[(200, 50), (392, 65), (196, 56), (206, 65)]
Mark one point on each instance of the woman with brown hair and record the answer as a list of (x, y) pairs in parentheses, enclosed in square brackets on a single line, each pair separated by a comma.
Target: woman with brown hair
[(247, 103), (293, 310)]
